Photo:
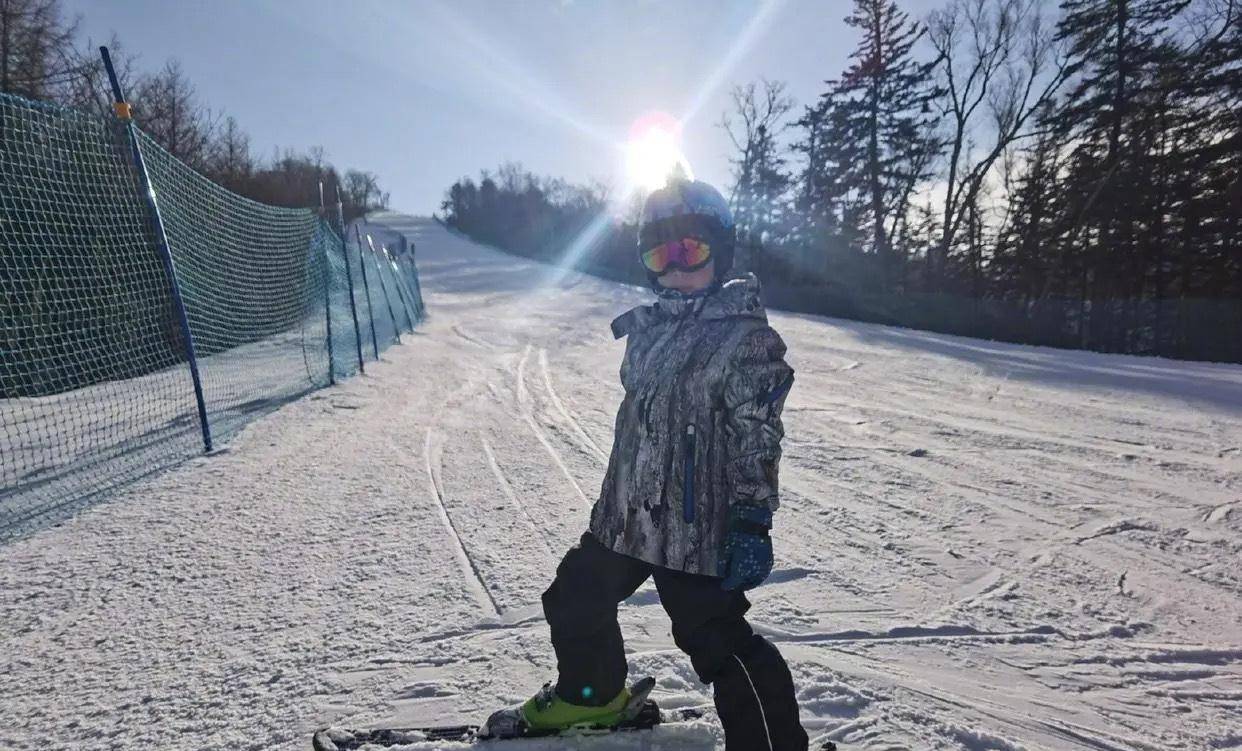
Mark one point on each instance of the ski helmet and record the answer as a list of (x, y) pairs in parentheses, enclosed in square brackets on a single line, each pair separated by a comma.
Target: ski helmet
[(688, 208)]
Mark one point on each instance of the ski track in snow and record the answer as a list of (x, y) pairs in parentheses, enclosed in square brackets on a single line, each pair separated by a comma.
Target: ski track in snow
[(980, 545)]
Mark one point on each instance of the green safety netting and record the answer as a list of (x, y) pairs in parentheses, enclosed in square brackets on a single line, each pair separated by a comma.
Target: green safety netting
[(95, 385)]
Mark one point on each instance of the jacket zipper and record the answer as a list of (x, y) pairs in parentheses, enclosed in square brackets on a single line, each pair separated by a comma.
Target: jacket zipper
[(687, 495), (687, 469), (672, 411)]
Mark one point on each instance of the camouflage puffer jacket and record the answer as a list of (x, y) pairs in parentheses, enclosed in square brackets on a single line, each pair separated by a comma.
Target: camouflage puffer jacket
[(699, 428)]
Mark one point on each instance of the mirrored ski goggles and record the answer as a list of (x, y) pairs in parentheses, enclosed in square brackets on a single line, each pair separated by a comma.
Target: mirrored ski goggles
[(686, 253)]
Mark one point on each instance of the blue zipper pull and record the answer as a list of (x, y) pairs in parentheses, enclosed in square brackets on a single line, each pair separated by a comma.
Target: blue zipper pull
[(687, 495)]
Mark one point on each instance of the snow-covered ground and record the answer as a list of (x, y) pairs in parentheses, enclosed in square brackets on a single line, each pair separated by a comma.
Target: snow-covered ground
[(981, 545)]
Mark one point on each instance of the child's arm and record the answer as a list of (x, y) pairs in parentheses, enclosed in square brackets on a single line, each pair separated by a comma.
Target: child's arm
[(756, 384)]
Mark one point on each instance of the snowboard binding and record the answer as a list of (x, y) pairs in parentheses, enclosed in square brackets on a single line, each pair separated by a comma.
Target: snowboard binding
[(639, 712)]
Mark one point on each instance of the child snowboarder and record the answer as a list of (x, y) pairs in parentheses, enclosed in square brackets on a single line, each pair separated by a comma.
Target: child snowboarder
[(689, 491)]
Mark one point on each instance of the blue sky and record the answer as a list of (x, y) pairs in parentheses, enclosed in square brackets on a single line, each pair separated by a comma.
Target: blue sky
[(422, 93)]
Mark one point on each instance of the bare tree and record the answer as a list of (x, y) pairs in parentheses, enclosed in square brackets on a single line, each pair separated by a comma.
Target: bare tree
[(36, 45), (760, 181), (167, 108), (230, 161), (362, 190), (1209, 21), (998, 66)]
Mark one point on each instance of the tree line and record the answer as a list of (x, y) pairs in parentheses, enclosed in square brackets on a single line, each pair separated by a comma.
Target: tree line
[(1068, 176), (545, 218), (43, 57)]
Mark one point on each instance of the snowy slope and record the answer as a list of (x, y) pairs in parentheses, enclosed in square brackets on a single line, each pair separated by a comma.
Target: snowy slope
[(982, 546)]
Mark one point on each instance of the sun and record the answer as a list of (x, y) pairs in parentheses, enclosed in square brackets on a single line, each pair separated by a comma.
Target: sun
[(653, 151)]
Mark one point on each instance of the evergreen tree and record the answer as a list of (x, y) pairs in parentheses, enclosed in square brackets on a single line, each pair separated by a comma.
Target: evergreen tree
[(1208, 243), (877, 118), (1114, 114), (827, 210), (1024, 267)]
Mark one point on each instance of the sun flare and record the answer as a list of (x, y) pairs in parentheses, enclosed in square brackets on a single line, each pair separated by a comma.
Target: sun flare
[(653, 151)]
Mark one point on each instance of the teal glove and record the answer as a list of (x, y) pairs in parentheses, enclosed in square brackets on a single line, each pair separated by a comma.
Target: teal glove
[(746, 556)]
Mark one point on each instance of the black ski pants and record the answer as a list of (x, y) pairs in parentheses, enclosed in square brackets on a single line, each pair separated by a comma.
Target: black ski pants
[(751, 684)]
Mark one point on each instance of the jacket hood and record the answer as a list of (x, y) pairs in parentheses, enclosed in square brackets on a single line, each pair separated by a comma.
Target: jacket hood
[(735, 298)]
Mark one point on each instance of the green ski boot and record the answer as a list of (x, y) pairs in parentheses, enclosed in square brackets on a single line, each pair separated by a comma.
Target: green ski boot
[(548, 714), (547, 711)]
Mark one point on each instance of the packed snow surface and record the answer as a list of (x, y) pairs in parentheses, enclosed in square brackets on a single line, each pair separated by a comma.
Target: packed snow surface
[(981, 545)]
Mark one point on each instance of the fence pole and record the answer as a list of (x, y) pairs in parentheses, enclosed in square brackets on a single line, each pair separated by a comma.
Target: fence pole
[(396, 280), (349, 279), (403, 284), (327, 292), (415, 288), (409, 291), (396, 328), (366, 290), (411, 303), (123, 113)]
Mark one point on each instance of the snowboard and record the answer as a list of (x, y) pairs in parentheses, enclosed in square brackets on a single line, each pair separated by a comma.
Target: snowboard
[(336, 739), (641, 714)]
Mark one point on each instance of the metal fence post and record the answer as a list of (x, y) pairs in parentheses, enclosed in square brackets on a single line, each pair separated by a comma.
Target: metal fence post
[(396, 280), (327, 312), (416, 289), (327, 291), (403, 275), (349, 279), (396, 328), (122, 110), (366, 289)]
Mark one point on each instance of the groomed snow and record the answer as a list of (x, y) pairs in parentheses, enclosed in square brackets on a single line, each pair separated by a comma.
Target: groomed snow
[(981, 545)]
